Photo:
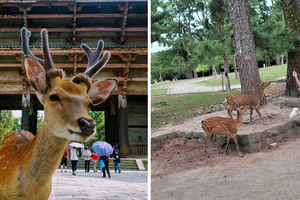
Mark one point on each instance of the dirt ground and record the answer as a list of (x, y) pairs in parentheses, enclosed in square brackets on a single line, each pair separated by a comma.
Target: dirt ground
[(180, 154)]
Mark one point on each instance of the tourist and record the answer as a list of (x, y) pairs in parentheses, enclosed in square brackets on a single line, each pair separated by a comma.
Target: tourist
[(116, 157), (64, 160), (74, 159), (106, 162), (95, 157), (87, 157), (296, 78)]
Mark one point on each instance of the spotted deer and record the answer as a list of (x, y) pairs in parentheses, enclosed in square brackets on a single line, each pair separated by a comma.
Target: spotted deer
[(247, 99), (223, 126), (28, 162)]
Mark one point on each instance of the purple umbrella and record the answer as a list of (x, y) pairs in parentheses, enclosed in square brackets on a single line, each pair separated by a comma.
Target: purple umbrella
[(102, 148)]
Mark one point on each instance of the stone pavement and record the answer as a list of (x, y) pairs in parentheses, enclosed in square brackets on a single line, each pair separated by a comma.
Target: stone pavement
[(190, 86), (125, 185)]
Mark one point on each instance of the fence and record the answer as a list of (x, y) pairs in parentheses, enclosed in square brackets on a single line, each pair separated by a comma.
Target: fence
[(139, 148)]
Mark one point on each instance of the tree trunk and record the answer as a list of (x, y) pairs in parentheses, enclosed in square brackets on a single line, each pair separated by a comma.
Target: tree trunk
[(235, 68), (269, 62), (282, 59), (245, 47), (195, 72), (189, 74), (291, 12), (226, 71), (277, 59), (214, 71)]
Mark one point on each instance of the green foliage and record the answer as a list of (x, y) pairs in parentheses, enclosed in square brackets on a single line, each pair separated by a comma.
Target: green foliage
[(17, 124), (99, 117), (166, 63), (6, 123), (203, 68)]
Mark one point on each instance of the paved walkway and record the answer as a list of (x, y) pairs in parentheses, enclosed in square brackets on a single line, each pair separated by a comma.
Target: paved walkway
[(126, 185), (190, 86)]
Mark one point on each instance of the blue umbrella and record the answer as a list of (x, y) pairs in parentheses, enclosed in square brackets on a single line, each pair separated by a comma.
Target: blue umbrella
[(102, 148)]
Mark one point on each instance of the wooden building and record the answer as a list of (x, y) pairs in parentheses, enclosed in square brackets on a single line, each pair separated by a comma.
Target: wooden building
[(122, 25)]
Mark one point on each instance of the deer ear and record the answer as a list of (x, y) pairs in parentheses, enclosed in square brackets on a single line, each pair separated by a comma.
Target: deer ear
[(36, 74), (101, 90)]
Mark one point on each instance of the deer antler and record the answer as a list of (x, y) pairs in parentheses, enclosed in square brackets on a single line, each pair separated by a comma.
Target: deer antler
[(94, 66), (25, 34), (47, 62)]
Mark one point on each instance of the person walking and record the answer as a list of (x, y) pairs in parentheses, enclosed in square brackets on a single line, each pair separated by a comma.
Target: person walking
[(117, 160), (64, 160), (95, 157), (106, 162), (87, 157), (74, 159)]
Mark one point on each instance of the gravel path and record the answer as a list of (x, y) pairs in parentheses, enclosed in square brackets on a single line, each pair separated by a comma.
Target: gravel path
[(190, 86)]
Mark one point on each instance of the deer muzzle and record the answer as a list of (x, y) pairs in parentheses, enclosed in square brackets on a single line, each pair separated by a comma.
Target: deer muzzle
[(87, 127)]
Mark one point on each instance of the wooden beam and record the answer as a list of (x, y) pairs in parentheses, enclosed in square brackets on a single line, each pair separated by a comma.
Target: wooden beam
[(9, 30), (70, 65), (69, 16), (59, 51)]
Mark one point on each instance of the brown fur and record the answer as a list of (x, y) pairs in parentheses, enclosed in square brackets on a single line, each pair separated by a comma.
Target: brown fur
[(247, 99), (27, 162), (223, 126)]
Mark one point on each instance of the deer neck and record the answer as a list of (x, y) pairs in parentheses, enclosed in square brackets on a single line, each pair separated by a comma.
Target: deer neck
[(240, 118), (46, 153), (260, 93)]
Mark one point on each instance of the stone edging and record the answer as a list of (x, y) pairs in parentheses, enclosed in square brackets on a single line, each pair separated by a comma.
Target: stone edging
[(249, 143)]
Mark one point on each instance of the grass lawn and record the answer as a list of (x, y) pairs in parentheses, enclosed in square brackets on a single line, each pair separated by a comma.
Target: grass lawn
[(177, 108), (159, 92), (266, 74)]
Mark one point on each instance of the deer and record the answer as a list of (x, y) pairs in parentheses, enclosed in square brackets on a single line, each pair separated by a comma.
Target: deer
[(223, 126), (28, 162), (247, 99)]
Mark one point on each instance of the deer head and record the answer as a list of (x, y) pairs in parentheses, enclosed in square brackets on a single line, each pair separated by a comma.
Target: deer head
[(67, 102)]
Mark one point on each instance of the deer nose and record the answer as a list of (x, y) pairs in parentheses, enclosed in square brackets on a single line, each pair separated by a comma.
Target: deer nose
[(87, 127)]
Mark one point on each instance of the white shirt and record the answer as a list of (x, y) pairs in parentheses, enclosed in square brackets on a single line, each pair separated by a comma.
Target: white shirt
[(73, 154), (87, 153)]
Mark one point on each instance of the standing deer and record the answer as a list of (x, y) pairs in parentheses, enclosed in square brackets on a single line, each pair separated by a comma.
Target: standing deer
[(28, 162), (247, 99), (223, 126)]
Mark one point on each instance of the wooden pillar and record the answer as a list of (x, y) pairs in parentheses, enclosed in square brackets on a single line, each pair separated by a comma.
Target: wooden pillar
[(123, 126), (26, 110), (111, 124), (33, 118)]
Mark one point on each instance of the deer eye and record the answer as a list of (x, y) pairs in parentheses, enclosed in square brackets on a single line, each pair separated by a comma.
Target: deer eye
[(90, 105), (54, 97)]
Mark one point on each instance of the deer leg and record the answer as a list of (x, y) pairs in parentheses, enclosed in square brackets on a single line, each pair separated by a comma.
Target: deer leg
[(230, 111), (228, 139), (237, 144), (251, 112), (206, 136), (256, 109), (212, 139)]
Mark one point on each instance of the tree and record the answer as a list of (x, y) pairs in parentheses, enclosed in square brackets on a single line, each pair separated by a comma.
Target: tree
[(291, 11), (245, 47), (221, 31), (178, 28), (98, 116), (6, 123)]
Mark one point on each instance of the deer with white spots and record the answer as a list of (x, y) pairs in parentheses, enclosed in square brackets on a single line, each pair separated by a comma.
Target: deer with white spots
[(223, 126), (28, 162), (247, 99)]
